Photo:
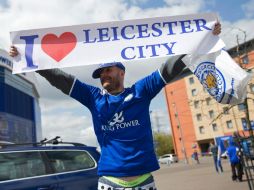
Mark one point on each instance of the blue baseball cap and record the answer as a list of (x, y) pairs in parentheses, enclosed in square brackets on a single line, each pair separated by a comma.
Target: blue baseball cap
[(97, 72)]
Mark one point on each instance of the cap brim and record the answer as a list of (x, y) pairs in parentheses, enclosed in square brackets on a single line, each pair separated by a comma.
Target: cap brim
[(96, 73)]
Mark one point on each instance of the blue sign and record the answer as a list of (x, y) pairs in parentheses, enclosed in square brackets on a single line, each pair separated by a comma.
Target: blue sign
[(223, 141), (6, 61)]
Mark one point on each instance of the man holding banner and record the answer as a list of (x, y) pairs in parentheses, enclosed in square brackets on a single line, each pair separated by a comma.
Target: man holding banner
[(121, 118)]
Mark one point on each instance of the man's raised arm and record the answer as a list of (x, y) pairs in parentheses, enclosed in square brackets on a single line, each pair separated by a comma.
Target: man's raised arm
[(172, 68), (59, 79)]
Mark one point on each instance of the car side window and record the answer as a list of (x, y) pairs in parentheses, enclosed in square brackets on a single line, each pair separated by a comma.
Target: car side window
[(16, 165), (64, 161)]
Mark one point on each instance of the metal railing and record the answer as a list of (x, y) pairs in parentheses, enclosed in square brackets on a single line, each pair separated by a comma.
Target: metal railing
[(246, 147)]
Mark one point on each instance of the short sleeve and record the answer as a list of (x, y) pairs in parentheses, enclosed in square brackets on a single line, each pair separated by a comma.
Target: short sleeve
[(84, 93), (151, 85)]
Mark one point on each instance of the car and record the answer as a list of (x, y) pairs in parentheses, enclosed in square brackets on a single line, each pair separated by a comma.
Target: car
[(48, 165), (168, 159)]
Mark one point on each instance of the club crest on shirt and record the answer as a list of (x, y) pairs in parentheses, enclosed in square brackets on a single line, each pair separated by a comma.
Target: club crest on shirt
[(118, 118), (211, 79)]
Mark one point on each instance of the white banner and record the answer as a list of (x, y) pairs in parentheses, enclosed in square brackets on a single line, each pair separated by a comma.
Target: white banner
[(114, 41)]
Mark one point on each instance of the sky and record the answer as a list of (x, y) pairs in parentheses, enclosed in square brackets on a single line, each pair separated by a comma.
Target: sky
[(62, 116)]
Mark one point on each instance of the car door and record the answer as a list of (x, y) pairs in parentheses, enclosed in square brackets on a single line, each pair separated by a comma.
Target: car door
[(25, 170), (75, 169)]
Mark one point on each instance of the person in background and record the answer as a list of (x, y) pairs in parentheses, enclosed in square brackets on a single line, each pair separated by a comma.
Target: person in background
[(216, 158), (235, 162), (195, 156)]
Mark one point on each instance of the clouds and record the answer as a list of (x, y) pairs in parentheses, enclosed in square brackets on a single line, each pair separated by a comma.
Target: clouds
[(159, 121), (65, 117), (167, 8), (249, 9), (241, 29), (29, 14)]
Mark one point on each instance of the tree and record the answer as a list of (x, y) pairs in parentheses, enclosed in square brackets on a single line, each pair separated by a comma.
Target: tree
[(164, 143)]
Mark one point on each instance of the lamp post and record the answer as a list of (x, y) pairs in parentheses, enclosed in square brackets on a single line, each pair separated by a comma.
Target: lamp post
[(181, 133)]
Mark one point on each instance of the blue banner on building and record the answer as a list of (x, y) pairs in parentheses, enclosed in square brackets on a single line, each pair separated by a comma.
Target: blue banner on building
[(223, 142)]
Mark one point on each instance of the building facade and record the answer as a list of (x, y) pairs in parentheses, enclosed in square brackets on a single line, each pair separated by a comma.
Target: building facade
[(197, 119), (19, 105)]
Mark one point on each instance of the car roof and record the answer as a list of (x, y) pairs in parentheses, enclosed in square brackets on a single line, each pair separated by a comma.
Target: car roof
[(168, 155), (52, 144), (43, 148)]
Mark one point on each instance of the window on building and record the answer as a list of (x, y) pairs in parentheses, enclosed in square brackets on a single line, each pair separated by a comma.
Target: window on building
[(208, 101), (225, 110), (199, 117), (252, 87), (201, 130), (194, 92), (241, 107), (215, 127), (244, 122), (191, 80), (211, 114), (245, 59), (229, 124), (196, 104)]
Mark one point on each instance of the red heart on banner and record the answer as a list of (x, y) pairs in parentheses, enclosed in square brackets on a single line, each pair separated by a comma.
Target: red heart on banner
[(58, 48)]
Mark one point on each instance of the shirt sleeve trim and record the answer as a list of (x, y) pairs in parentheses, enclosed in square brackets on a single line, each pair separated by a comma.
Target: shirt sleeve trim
[(162, 77), (72, 86)]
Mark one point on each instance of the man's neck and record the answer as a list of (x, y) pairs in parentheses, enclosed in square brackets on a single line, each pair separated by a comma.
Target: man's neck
[(116, 92)]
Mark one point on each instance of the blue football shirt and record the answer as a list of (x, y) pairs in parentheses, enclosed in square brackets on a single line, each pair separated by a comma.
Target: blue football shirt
[(232, 152), (122, 125)]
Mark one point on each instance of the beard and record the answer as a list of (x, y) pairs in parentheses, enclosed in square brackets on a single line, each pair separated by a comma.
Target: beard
[(110, 84)]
